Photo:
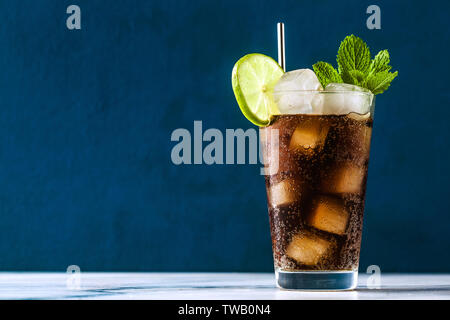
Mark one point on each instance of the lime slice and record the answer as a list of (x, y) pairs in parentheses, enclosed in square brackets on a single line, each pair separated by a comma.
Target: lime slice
[(253, 79)]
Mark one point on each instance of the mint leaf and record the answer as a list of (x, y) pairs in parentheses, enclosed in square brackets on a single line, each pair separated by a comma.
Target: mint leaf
[(355, 77), (348, 78), (353, 54), (379, 82), (326, 73), (357, 68), (380, 62)]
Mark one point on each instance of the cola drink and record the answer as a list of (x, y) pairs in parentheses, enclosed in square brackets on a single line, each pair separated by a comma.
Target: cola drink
[(317, 171)]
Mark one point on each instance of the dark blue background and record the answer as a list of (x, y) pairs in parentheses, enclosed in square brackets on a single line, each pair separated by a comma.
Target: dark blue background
[(86, 118)]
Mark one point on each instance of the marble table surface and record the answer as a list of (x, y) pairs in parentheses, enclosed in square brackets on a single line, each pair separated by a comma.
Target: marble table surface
[(220, 286)]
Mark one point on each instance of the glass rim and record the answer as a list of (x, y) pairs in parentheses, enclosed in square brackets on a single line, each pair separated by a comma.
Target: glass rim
[(342, 92)]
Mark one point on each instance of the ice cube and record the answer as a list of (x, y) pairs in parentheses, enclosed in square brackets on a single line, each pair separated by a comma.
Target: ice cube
[(345, 87), (309, 135), (358, 101), (367, 137), (359, 117), (307, 248), (329, 214), (285, 192), (345, 177), (288, 93)]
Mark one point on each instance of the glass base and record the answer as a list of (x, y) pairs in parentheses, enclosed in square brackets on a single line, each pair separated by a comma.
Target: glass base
[(317, 280)]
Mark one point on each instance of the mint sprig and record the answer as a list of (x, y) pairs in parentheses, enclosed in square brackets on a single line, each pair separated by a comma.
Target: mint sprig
[(356, 67), (353, 54), (380, 62), (379, 82), (326, 73)]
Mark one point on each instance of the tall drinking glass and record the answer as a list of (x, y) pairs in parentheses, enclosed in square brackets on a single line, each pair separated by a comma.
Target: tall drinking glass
[(316, 174)]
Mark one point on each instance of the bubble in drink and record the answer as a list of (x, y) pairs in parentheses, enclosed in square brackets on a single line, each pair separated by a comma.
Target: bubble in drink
[(354, 142)]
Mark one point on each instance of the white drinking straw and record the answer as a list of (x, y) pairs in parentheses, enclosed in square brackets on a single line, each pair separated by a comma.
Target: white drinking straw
[(281, 56)]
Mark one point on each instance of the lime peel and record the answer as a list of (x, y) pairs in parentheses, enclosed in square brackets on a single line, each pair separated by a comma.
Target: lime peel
[(253, 79)]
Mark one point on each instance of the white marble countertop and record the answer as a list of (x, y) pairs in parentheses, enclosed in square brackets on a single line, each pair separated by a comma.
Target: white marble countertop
[(193, 286)]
